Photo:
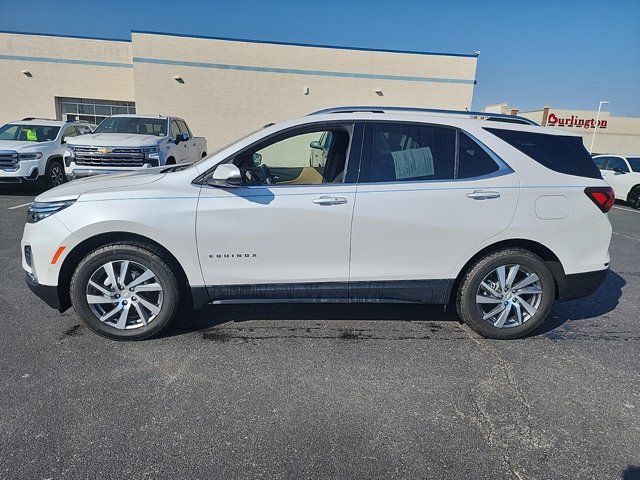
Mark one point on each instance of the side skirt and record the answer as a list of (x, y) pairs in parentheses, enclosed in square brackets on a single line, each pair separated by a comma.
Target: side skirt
[(388, 291)]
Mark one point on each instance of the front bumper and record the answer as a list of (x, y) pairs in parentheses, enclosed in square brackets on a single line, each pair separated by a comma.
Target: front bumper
[(580, 285), (47, 293), (27, 170)]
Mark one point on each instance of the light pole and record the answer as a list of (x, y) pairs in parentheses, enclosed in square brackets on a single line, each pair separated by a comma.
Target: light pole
[(593, 139)]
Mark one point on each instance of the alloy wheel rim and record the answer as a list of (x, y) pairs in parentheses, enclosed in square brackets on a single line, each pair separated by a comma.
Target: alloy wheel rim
[(57, 176), (124, 294), (509, 296)]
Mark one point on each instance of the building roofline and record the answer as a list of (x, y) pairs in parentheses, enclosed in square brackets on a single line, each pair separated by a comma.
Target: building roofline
[(66, 36), (245, 40), (295, 44)]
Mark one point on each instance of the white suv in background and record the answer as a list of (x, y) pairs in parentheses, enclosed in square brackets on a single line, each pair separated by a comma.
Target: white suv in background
[(493, 215), (623, 174), (33, 148)]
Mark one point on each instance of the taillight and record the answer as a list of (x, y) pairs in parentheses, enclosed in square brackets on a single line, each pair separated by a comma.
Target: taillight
[(603, 197)]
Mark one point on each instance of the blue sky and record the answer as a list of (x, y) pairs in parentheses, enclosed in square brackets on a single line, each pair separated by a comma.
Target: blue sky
[(563, 53)]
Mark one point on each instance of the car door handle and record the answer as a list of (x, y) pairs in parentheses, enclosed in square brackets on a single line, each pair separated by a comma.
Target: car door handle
[(330, 201), (483, 195)]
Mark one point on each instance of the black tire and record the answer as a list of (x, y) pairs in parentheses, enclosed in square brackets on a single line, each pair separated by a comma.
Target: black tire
[(204, 154), (54, 175), (470, 311), (170, 161), (144, 256), (633, 199)]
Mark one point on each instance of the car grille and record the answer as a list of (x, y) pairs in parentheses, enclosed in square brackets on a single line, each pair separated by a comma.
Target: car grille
[(115, 157), (8, 160)]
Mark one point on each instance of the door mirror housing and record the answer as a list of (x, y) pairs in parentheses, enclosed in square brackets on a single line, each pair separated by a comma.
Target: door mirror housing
[(316, 145), (182, 137), (225, 176)]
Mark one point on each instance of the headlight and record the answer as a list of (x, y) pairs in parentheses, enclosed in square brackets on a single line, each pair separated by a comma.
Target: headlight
[(148, 150), (41, 210), (29, 156)]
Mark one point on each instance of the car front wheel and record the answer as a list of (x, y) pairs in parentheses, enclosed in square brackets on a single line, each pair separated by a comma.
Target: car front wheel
[(125, 292), (506, 294)]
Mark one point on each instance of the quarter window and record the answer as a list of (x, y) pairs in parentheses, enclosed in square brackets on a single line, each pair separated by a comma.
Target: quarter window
[(301, 159), (473, 160)]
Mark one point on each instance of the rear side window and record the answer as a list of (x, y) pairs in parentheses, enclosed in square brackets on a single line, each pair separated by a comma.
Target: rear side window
[(560, 153), (473, 160), (412, 152)]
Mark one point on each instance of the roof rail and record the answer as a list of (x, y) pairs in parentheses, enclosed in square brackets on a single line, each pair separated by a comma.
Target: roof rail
[(26, 119), (497, 117)]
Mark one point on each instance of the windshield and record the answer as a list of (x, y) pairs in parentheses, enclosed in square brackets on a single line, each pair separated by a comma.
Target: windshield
[(135, 125), (635, 163), (29, 133)]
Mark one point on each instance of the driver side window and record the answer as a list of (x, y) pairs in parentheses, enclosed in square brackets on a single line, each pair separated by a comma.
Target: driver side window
[(307, 158)]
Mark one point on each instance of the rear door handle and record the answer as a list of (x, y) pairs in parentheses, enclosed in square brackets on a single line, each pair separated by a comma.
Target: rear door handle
[(483, 195), (330, 200)]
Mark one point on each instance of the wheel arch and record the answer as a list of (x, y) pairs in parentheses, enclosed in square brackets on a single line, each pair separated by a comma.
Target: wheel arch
[(633, 189), (75, 256), (548, 256)]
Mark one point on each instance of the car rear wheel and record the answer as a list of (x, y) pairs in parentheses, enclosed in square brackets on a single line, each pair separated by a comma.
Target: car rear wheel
[(506, 294), (55, 174), (634, 198), (125, 292)]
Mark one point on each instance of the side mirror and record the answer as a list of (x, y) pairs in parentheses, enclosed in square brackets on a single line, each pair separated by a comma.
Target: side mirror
[(64, 140), (226, 175), (182, 137), (316, 145)]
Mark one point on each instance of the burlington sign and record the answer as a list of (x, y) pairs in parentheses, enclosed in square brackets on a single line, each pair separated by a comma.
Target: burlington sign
[(573, 121)]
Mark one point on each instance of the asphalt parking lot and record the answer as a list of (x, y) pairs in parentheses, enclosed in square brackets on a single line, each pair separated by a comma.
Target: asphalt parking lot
[(300, 391)]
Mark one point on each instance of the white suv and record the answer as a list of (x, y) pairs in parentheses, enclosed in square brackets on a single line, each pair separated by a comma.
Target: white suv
[(493, 215), (623, 174), (32, 149)]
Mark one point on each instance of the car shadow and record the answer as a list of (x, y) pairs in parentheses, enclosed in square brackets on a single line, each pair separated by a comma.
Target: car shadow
[(215, 315), (21, 190), (603, 301)]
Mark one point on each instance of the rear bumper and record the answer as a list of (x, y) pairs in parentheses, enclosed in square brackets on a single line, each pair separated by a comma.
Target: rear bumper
[(580, 285), (47, 293)]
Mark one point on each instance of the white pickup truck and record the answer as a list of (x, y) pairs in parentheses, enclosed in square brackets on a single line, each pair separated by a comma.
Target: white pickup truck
[(123, 143), (31, 150)]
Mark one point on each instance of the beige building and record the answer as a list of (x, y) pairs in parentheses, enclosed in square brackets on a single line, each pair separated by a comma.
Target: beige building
[(224, 88), (619, 135)]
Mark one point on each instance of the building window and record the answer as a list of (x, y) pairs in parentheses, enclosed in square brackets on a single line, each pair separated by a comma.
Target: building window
[(90, 109)]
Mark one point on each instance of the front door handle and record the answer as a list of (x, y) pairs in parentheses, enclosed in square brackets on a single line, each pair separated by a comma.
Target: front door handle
[(483, 195), (330, 200)]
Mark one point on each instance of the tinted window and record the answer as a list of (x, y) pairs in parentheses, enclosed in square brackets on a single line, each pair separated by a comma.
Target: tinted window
[(411, 152), (473, 160), (601, 162), (563, 154), (617, 164), (635, 163), (299, 159)]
